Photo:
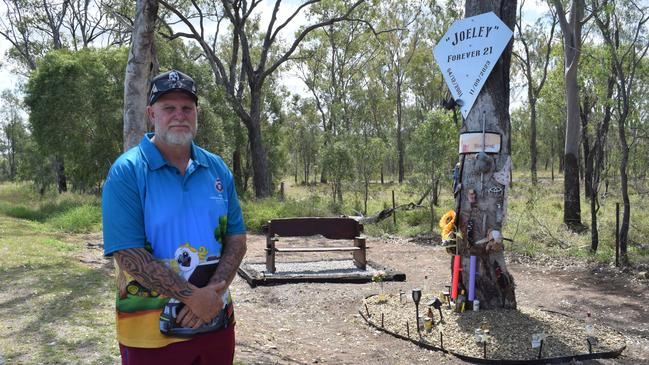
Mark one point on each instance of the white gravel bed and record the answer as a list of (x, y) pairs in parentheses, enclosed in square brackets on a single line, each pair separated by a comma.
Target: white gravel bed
[(511, 330)]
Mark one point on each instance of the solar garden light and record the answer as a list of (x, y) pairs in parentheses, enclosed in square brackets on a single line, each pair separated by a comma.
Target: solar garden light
[(416, 297), (437, 304)]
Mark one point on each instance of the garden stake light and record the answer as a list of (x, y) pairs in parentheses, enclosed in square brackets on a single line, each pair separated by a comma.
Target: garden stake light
[(416, 297)]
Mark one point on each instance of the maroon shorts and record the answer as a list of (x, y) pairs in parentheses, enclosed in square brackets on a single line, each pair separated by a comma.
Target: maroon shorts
[(212, 348)]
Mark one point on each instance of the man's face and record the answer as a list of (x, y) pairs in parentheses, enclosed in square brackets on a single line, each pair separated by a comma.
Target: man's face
[(174, 116)]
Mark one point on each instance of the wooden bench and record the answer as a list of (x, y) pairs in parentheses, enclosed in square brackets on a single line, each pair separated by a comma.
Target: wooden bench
[(331, 228)]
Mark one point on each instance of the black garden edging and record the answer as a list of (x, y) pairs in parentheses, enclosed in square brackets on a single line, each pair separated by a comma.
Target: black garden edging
[(551, 360)]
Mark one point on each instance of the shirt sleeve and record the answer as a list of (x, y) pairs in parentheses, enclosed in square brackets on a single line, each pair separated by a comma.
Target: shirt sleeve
[(122, 212), (235, 217)]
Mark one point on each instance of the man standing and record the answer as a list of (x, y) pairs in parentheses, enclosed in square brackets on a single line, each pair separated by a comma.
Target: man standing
[(172, 221)]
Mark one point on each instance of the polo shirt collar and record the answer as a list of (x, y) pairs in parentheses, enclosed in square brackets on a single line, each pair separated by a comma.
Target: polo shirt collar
[(199, 156), (155, 159)]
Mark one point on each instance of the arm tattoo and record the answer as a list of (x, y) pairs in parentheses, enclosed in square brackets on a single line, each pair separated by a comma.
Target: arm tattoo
[(152, 274), (234, 248)]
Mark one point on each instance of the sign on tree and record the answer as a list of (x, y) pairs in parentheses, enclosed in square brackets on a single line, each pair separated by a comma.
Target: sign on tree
[(468, 52)]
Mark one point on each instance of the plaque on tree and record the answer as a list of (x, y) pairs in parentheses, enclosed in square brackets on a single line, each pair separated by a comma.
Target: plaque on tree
[(467, 53)]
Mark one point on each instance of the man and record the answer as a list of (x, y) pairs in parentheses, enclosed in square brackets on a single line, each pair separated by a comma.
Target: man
[(171, 215)]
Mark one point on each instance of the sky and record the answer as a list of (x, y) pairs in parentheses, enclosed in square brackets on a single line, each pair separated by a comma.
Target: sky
[(532, 10)]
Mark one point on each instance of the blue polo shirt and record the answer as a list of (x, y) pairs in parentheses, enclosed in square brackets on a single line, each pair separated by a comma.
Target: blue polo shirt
[(181, 220)]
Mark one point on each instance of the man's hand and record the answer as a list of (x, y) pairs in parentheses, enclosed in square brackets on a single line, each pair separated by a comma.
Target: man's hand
[(203, 305)]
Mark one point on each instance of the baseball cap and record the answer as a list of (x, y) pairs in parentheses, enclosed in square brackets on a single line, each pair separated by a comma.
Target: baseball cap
[(171, 81)]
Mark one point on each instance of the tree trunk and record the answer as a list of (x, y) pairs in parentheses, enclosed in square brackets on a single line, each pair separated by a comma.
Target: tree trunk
[(260, 176), (61, 179), (624, 186), (533, 149), (598, 162), (366, 197), (594, 234), (139, 67), (494, 285), (584, 116), (237, 170), (400, 151), (572, 45), (571, 198)]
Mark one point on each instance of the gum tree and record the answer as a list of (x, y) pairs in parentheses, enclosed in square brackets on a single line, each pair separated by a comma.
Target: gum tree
[(494, 283)]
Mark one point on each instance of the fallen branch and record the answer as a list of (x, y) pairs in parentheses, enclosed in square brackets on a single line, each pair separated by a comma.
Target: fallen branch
[(385, 213)]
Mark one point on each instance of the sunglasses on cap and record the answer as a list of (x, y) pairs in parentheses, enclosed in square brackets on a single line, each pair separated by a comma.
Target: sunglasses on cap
[(171, 81)]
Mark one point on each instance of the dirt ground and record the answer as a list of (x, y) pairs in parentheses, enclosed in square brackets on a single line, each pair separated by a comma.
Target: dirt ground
[(318, 323)]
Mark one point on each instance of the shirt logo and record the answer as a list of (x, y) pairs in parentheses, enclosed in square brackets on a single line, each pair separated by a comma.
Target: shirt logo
[(218, 185)]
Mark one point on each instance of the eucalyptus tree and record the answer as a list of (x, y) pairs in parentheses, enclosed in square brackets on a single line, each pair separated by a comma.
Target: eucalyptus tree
[(104, 22), (303, 137), (13, 134), (552, 118), (407, 21), (330, 62), (377, 117), (623, 26), (533, 61), (340, 159), (34, 27), (250, 60), (494, 284), (598, 87), (433, 150), (139, 66), (571, 28)]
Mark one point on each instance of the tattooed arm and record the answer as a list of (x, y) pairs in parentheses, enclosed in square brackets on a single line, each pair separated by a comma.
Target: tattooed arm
[(154, 275), (234, 248)]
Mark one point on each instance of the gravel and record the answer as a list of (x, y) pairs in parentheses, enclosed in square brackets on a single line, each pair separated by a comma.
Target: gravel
[(511, 330)]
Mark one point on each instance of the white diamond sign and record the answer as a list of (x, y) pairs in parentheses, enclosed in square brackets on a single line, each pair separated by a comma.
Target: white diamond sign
[(468, 52)]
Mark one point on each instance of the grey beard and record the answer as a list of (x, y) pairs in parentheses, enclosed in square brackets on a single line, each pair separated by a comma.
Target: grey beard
[(177, 139)]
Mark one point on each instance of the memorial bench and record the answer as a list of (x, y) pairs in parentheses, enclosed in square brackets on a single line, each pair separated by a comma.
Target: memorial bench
[(331, 228)]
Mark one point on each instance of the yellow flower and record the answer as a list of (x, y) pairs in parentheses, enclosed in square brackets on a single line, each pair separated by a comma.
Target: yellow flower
[(378, 276), (446, 224)]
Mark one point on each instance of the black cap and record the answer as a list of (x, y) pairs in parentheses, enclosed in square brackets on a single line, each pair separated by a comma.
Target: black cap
[(171, 81)]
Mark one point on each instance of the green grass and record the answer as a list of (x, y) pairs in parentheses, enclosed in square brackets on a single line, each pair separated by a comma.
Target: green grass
[(534, 219), (68, 212), (54, 308)]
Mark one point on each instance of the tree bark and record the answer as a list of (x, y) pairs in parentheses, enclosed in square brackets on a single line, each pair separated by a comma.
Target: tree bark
[(533, 148), (494, 284), (139, 67), (572, 46), (61, 179), (260, 176), (237, 170), (400, 148), (586, 148)]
